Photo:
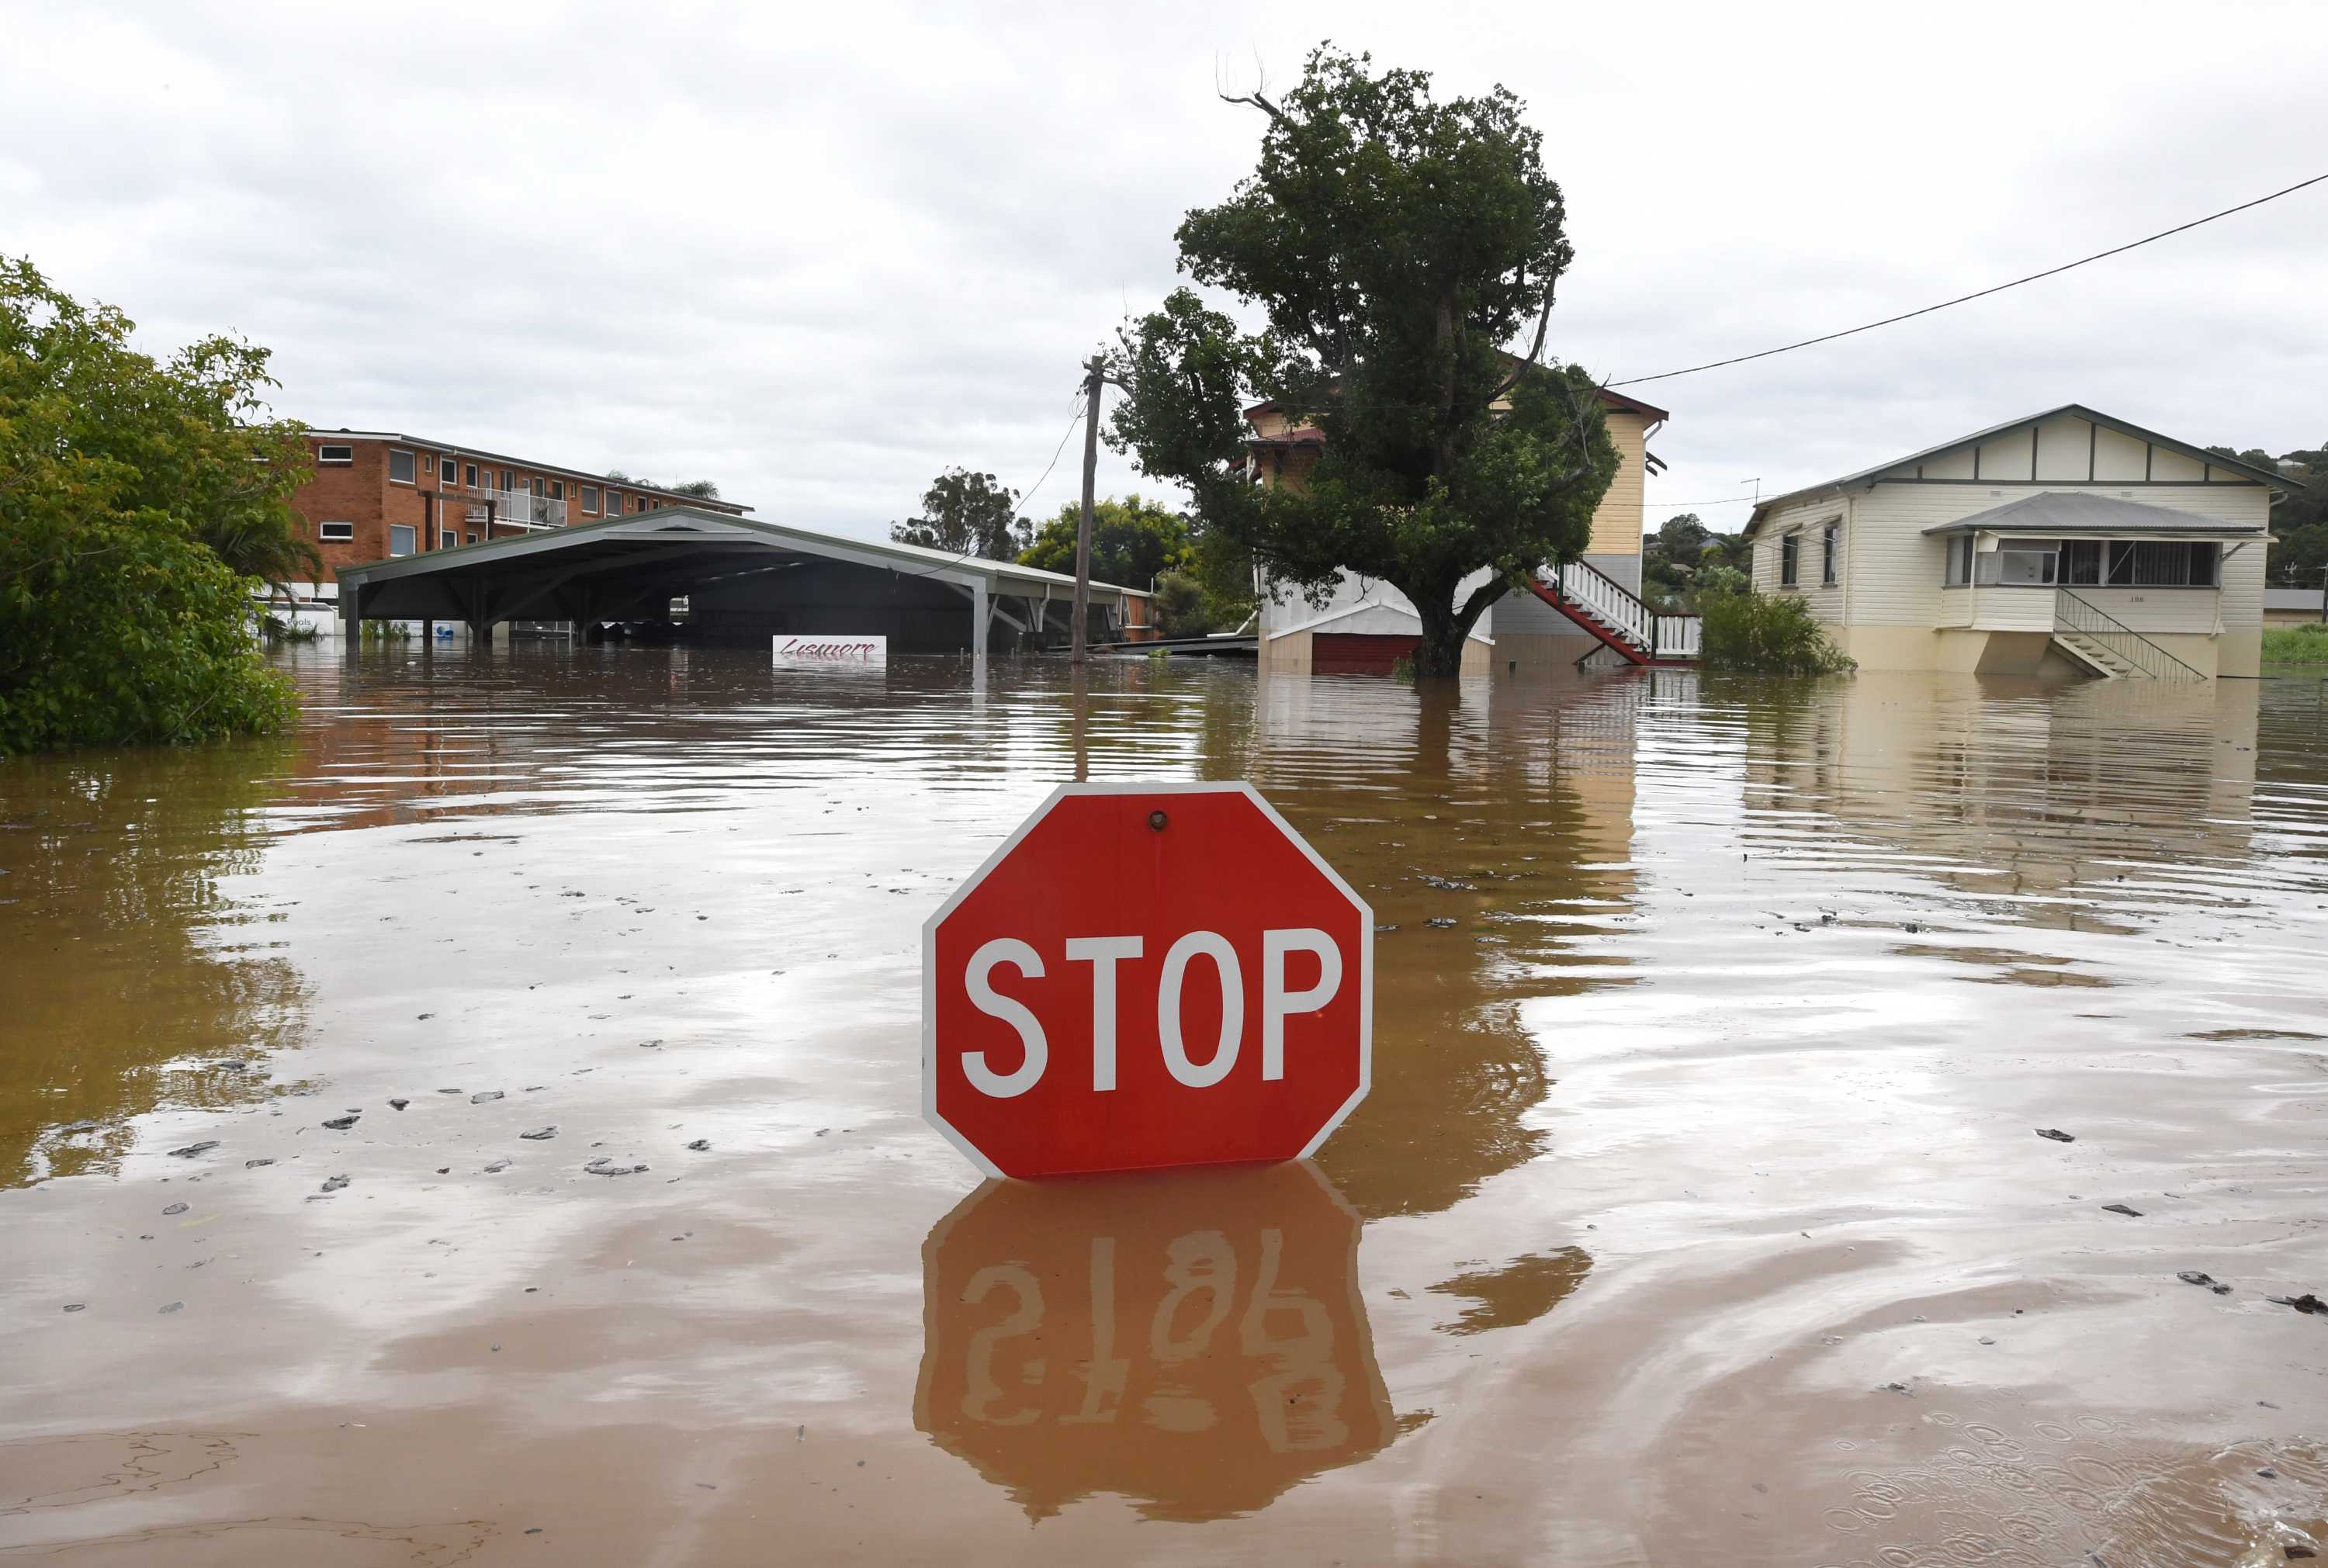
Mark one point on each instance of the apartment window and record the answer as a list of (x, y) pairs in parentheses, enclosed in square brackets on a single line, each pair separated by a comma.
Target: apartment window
[(329, 531), (589, 497), (508, 479), (403, 539), (447, 539), (1830, 537), (557, 490), (613, 503), (1790, 560), (472, 539), (335, 454), (471, 471), (447, 470), (401, 469)]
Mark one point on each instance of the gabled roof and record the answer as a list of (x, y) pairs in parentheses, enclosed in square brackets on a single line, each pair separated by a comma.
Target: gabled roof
[(2056, 512), (1867, 476), (668, 525)]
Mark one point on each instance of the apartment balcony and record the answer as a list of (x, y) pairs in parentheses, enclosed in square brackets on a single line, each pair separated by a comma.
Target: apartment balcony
[(513, 508)]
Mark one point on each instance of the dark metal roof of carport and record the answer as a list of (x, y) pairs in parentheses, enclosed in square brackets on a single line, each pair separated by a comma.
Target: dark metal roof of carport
[(652, 553)]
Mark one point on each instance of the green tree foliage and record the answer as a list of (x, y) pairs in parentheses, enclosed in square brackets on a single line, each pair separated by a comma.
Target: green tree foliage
[(1769, 634), (700, 489), (1131, 541), (2299, 520), (139, 501), (1394, 245), (1180, 607), (967, 513), (1684, 558)]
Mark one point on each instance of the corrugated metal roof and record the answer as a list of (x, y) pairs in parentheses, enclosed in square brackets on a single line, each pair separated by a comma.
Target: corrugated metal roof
[(2067, 512)]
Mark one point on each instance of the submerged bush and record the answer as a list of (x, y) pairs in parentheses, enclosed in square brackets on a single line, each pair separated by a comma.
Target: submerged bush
[(124, 630), (141, 502), (1772, 634)]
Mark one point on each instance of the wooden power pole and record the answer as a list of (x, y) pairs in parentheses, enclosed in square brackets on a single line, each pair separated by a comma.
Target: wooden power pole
[(1097, 368)]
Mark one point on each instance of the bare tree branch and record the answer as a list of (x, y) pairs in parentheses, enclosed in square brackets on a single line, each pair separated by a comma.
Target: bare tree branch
[(1536, 349)]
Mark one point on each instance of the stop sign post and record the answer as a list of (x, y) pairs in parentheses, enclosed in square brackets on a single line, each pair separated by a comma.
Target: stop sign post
[(1146, 975)]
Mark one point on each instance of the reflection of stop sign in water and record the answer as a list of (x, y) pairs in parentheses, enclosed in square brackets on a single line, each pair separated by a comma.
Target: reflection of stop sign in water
[(1146, 975), (1193, 1342)]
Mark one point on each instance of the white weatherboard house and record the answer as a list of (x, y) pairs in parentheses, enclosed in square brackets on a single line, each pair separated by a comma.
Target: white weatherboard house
[(2065, 542)]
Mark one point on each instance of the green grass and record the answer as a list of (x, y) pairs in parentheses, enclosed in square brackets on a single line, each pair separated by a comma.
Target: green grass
[(2306, 644)]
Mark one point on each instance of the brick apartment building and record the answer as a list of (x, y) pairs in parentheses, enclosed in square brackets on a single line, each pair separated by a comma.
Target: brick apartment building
[(378, 494)]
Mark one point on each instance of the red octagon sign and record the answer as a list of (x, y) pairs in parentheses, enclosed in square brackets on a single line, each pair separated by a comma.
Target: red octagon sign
[(1146, 975)]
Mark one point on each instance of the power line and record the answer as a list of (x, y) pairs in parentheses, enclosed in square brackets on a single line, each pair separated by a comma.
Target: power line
[(1026, 495), (1981, 294), (1717, 500)]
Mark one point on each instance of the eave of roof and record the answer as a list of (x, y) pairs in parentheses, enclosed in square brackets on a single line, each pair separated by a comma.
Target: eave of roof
[(1868, 475), (1648, 411), (810, 541), (451, 450)]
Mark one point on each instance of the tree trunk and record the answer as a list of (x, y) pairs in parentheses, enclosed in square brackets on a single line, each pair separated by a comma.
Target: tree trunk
[(1440, 650)]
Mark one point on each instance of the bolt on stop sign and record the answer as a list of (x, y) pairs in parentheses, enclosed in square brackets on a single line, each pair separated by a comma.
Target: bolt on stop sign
[(1146, 975)]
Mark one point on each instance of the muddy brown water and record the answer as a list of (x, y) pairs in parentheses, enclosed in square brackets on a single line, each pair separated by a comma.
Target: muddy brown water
[(1698, 1214)]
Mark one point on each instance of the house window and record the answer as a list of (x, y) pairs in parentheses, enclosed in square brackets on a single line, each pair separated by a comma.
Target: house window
[(335, 454), (472, 539), (589, 497), (557, 490), (403, 539), (447, 539), (1790, 560), (329, 531), (447, 470), (1828, 539), (471, 471), (2163, 563), (401, 469), (2081, 562), (2023, 563), (613, 503)]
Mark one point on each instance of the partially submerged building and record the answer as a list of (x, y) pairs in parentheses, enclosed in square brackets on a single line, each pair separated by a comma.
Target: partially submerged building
[(381, 495), (1365, 625), (2067, 543)]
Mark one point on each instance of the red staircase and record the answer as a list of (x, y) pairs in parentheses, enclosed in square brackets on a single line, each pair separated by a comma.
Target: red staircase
[(1616, 616)]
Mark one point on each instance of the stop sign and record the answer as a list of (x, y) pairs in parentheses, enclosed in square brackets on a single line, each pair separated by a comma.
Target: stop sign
[(1146, 975)]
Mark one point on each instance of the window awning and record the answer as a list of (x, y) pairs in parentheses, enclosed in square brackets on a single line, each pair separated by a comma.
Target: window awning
[(2058, 514)]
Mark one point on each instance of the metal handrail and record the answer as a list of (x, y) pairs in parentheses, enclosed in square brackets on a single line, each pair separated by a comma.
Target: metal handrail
[(2073, 613)]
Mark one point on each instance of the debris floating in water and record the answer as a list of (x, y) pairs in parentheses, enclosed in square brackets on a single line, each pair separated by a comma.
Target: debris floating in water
[(2121, 1209), (2194, 1277), (2056, 1134)]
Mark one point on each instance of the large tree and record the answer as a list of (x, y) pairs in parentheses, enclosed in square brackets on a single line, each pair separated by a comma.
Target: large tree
[(967, 513), (1395, 245)]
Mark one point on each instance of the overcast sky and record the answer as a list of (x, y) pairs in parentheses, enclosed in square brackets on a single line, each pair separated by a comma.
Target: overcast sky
[(817, 254)]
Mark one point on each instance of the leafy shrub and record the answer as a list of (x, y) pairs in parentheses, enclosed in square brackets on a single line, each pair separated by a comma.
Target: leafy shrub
[(1773, 634), (118, 630), (2307, 644), (141, 502)]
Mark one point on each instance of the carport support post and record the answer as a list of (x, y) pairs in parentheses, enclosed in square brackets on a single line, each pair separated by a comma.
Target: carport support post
[(977, 615)]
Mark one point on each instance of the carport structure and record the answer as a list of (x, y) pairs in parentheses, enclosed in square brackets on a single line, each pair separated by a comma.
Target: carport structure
[(744, 580)]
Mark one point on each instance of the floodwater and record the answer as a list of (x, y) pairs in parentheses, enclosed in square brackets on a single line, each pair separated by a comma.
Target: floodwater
[(1698, 1214)]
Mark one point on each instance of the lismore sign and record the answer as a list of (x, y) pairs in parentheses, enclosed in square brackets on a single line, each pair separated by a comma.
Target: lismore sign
[(853, 651), (1146, 975)]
